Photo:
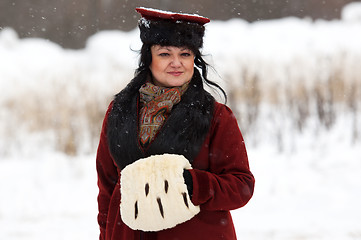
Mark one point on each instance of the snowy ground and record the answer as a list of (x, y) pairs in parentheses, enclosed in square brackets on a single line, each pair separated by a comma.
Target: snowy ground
[(50, 197), (311, 194), (310, 190)]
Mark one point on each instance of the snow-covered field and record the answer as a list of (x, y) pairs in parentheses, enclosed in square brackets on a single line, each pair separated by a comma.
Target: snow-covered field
[(308, 183)]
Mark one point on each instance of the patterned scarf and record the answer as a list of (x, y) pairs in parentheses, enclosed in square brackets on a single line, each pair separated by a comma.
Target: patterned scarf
[(156, 105)]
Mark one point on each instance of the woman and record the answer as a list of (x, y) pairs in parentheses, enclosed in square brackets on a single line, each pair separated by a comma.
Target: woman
[(171, 160)]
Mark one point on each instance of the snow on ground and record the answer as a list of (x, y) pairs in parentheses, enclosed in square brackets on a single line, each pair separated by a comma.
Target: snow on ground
[(310, 190), (49, 197), (310, 194)]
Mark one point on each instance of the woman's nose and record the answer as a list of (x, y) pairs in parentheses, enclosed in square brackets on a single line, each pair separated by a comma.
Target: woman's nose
[(176, 62)]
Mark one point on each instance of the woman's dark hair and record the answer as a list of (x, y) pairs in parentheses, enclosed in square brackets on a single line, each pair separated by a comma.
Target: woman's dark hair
[(146, 59)]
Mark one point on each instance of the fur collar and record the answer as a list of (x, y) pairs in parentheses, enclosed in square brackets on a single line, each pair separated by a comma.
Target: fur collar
[(182, 133)]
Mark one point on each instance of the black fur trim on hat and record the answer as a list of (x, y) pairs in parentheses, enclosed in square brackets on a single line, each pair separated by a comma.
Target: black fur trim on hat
[(171, 33)]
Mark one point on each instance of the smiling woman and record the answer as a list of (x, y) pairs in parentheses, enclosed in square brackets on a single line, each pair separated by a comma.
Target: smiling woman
[(171, 160), (171, 66)]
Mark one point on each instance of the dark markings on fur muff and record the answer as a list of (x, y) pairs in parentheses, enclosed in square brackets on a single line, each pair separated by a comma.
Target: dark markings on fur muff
[(185, 199), (166, 186), (160, 206), (136, 210), (146, 189)]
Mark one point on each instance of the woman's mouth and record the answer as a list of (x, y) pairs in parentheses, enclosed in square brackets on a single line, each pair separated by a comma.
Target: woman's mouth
[(176, 74)]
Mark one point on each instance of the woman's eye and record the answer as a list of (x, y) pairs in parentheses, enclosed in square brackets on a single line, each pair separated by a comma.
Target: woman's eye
[(186, 54), (163, 54)]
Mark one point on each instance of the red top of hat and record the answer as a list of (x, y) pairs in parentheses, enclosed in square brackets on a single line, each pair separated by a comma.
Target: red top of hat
[(155, 14)]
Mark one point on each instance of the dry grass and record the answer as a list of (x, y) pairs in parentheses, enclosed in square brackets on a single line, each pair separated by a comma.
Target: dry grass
[(73, 110), (322, 96)]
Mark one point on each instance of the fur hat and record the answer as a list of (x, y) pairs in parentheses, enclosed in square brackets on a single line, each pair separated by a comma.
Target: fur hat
[(171, 29)]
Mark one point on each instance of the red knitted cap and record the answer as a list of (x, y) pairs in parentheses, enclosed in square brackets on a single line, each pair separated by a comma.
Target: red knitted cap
[(155, 14)]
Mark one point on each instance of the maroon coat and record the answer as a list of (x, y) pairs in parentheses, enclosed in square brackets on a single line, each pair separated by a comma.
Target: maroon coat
[(222, 181)]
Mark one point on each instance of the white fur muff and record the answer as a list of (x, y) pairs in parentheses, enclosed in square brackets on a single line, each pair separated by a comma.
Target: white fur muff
[(153, 193)]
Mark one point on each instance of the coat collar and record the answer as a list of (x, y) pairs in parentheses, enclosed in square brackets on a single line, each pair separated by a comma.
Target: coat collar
[(183, 132)]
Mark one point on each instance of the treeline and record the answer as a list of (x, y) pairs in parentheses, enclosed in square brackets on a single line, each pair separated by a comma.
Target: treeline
[(69, 23)]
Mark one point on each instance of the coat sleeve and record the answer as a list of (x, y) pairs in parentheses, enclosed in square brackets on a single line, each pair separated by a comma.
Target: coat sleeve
[(227, 184), (107, 177)]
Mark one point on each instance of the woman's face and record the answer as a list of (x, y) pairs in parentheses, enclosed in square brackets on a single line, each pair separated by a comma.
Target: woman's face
[(171, 66)]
